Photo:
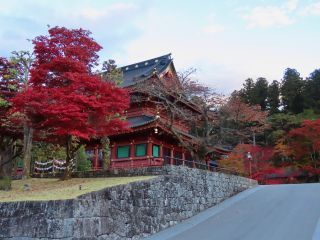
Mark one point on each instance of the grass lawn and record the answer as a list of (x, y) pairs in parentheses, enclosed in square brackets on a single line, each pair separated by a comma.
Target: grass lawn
[(54, 189)]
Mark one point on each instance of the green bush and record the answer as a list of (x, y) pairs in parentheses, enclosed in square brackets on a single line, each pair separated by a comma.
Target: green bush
[(82, 162), (5, 184)]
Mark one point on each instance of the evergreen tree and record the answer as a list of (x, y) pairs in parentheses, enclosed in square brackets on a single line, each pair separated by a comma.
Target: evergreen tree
[(311, 91), (273, 98), (260, 93), (246, 93), (291, 91)]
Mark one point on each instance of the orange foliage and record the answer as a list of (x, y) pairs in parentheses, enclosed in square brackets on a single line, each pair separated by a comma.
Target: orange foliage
[(239, 161)]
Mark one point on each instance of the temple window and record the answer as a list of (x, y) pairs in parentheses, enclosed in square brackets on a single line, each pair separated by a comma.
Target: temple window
[(156, 150), (123, 151), (141, 150)]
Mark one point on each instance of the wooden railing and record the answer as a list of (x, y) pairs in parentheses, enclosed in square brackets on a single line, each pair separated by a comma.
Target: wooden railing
[(136, 162)]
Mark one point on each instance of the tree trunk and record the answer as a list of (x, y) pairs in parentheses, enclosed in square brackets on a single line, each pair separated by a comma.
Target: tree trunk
[(5, 168), (27, 147), (67, 171), (105, 142)]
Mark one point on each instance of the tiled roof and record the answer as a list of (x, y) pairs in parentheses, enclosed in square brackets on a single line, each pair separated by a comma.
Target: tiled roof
[(140, 120), (143, 70)]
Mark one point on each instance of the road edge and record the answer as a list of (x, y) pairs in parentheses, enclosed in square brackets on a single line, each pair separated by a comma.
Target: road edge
[(316, 234), (203, 216)]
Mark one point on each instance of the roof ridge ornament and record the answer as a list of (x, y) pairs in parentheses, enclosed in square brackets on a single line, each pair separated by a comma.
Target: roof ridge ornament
[(155, 71)]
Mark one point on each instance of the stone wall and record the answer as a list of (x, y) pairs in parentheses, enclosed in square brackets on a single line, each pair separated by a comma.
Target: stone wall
[(130, 211)]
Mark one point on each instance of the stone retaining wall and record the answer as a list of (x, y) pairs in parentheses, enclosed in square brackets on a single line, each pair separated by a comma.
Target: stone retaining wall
[(131, 211)]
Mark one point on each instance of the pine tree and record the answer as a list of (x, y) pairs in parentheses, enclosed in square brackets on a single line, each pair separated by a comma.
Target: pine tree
[(311, 91), (246, 93), (260, 93), (291, 91), (273, 97)]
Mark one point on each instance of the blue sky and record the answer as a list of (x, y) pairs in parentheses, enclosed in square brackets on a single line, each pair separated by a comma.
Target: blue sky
[(227, 41)]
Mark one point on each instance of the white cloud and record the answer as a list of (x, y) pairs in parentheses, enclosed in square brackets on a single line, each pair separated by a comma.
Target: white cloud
[(213, 28), (268, 16), (291, 5), (312, 9), (96, 13)]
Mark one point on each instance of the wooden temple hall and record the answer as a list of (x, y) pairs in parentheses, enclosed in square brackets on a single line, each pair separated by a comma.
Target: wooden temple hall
[(147, 141)]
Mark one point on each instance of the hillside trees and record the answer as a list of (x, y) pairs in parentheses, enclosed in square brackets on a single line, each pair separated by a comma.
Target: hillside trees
[(293, 105), (255, 92), (67, 101)]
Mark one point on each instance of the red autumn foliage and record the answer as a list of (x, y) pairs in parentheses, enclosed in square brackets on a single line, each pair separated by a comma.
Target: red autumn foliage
[(66, 98), (239, 161), (288, 174), (305, 141)]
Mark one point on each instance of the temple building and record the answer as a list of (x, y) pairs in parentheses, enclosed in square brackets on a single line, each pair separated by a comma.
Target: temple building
[(148, 141)]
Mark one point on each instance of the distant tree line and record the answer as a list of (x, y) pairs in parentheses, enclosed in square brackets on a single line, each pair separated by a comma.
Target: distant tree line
[(292, 94), (292, 130)]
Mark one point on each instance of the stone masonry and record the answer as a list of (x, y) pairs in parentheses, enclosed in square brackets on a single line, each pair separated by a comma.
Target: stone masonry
[(131, 211)]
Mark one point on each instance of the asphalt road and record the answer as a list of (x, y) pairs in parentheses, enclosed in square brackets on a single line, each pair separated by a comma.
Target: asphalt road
[(274, 212)]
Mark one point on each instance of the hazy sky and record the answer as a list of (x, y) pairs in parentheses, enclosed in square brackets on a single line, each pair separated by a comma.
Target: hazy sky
[(226, 40)]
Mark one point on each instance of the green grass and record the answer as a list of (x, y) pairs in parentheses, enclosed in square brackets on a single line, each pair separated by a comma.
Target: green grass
[(54, 189)]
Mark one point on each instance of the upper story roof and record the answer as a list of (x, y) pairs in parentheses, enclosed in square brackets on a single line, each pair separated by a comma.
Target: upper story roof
[(140, 71)]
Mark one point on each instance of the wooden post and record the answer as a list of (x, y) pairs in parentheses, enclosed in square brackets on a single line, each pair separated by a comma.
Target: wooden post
[(183, 158), (171, 155), (132, 153), (161, 153), (149, 150)]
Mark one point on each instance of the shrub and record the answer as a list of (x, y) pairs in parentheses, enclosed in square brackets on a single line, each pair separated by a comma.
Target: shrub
[(82, 162), (5, 184)]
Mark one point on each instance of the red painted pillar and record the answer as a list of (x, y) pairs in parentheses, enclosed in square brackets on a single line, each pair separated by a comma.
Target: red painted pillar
[(171, 155), (161, 153), (132, 153), (183, 158), (149, 150), (113, 154)]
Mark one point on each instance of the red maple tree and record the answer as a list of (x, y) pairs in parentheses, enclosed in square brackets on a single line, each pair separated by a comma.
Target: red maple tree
[(66, 98), (245, 120), (305, 142)]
